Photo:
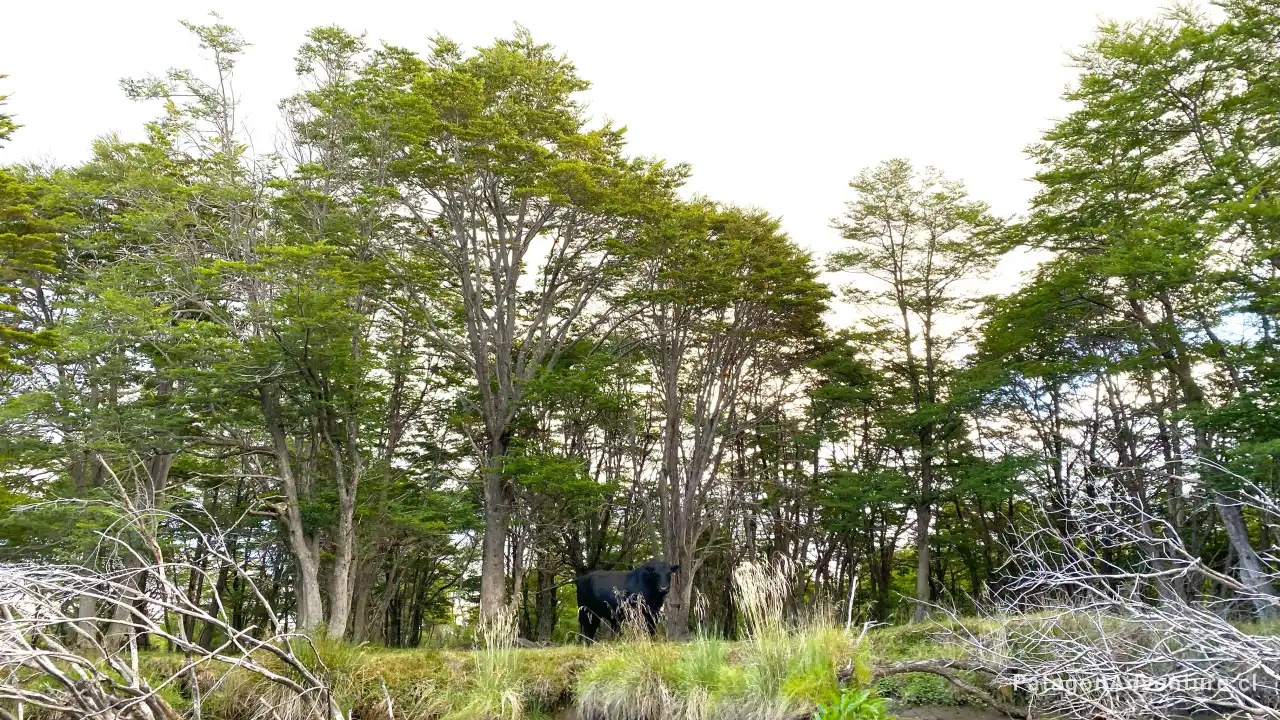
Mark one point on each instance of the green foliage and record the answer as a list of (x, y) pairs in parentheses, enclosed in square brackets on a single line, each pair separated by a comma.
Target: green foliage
[(454, 323), (7, 125), (860, 705), (918, 689), (28, 255)]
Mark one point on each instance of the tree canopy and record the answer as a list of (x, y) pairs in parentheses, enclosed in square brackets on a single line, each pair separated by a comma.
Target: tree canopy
[(452, 343)]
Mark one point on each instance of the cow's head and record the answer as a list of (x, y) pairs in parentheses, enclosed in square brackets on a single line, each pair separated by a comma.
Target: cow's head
[(657, 575)]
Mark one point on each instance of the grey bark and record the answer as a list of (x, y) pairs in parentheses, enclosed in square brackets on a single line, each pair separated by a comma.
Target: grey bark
[(302, 544)]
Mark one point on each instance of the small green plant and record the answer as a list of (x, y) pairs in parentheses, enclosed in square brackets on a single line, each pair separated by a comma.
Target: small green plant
[(861, 705), (918, 689)]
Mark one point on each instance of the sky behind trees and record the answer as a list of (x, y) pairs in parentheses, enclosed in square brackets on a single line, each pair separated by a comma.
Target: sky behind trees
[(776, 105)]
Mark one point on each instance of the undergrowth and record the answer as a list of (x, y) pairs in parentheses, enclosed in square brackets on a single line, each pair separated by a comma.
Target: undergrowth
[(777, 671)]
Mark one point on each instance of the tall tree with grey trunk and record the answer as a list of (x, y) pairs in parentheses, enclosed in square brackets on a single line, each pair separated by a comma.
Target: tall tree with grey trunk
[(916, 239)]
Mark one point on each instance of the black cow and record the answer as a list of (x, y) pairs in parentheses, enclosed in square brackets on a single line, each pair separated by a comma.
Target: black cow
[(602, 594)]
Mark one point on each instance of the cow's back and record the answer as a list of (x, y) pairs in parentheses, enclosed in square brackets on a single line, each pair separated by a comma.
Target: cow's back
[(601, 587)]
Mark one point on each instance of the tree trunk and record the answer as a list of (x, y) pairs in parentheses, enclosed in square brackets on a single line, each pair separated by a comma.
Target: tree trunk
[(547, 606), (679, 600), (224, 575), (493, 576), (366, 577), (301, 544), (676, 508), (86, 619), (924, 515), (1252, 571), (390, 595), (340, 579)]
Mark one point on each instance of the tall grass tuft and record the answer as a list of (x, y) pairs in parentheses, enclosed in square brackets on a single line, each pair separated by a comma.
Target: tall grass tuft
[(781, 669), (497, 692), (789, 666), (762, 594)]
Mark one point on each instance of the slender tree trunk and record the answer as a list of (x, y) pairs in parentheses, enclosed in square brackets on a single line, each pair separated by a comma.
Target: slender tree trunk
[(365, 578), (301, 544), (517, 566), (493, 575), (344, 558), (1253, 572), (390, 596), (547, 606), (679, 601), (87, 619), (224, 575), (924, 516)]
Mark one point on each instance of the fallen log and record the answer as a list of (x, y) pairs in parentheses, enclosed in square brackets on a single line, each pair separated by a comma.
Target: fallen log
[(946, 668)]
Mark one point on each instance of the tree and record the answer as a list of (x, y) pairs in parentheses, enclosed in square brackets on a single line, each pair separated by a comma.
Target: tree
[(496, 165), (1147, 189), (918, 239), (27, 251), (717, 289), (7, 125)]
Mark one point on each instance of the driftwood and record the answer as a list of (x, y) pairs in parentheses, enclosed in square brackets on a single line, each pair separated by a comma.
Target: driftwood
[(946, 668), (1100, 618), (88, 663)]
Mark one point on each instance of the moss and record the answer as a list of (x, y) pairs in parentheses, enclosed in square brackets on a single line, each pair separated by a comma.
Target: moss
[(549, 674)]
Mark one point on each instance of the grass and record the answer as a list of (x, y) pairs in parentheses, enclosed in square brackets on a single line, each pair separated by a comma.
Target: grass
[(710, 679), (496, 683), (776, 672)]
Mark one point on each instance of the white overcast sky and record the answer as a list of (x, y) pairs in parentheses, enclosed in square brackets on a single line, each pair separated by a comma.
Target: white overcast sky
[(777, 105)]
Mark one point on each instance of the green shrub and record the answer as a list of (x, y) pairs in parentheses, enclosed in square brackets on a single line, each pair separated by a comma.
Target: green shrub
[(918, 689), (817, 655), (861, 705)]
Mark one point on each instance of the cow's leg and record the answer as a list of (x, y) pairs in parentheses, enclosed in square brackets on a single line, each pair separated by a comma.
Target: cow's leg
[(588, 624), (615, 621), (651, 621)]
